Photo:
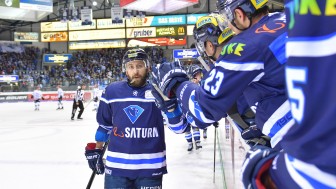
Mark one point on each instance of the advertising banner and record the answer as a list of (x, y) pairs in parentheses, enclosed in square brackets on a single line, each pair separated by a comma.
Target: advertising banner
[(107, 23), (190, 29), (9, 78), (96, 34), (54, 37), (192, 18), (156, 21), (13, 98), (141, 32), (99, 44), (157, 41), (185, 53), (170, 31), (10, 3), (56, 58), (26, 36), (37, 5), (53, 26), (79, 26)]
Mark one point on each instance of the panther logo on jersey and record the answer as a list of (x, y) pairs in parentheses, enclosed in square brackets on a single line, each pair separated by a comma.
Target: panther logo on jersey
[(133, 112)]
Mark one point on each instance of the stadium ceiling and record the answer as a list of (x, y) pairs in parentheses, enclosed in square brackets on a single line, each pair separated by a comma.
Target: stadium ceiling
[(11, 24)]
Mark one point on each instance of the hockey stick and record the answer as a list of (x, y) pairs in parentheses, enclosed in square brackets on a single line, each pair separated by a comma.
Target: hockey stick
[(205, 65), (88, 104), (94, 172), (214, 165)]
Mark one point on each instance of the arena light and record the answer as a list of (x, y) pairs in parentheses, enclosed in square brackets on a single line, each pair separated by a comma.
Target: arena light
[(156, 6)]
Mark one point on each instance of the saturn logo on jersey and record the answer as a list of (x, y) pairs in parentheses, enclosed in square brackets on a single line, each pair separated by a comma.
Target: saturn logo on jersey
[(141, 132), (133, 112), (273, 29)]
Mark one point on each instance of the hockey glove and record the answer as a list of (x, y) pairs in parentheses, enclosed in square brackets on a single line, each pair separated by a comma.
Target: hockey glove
[(162, 102), (94, 157), (255, 167), (168, 76)]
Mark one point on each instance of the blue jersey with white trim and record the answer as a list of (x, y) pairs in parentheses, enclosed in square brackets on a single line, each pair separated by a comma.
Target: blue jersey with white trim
[(252, 63), (137, 144), (310, 75)]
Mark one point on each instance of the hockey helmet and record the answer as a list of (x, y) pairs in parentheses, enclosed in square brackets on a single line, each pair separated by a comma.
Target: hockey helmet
[(227, 7), (135, 54), (213, 28), (193, 70)]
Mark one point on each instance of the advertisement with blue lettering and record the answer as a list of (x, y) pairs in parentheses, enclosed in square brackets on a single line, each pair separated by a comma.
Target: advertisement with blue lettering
[(156, 21), (56, 58), (185, 53)]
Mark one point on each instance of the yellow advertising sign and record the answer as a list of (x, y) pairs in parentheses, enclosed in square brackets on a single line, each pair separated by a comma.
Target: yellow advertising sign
[(54, 37), (53, 26)]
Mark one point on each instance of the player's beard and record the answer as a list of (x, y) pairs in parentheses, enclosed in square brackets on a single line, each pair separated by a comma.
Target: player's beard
[(137, 82)]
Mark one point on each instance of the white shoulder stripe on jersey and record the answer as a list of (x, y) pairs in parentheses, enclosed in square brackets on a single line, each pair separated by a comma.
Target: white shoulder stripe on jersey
[(106, 127), (311, 47), (239, 66), (311, 171), (127, 100)]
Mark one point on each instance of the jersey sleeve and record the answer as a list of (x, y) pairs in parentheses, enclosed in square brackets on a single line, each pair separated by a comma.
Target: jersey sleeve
[(222, 86), (104, 113)]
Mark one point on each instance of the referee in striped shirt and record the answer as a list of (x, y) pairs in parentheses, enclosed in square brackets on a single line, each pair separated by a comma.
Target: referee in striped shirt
[(78, 102)]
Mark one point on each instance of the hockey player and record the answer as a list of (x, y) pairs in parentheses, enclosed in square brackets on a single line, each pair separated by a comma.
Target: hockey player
[(195, 73), (252, 63), (60, 95), (95, 97), (136, 155), (37, 96), (78, 102), (308, 156)]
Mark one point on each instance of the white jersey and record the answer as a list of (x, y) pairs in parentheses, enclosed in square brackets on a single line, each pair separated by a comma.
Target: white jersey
[(37, 94), (95, 93), (60, 92)]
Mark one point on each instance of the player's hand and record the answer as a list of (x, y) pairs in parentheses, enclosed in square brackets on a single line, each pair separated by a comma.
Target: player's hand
[(167, 76), (255, 167), (42, 98), (163, 103), (94, 158)]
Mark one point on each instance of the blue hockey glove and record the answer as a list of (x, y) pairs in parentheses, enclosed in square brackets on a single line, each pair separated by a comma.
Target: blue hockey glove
[(255, 167), (162, 102), (94, 157), (167, 76)]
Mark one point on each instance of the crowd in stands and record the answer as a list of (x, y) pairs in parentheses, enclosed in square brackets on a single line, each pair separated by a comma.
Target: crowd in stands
[(91, 67)]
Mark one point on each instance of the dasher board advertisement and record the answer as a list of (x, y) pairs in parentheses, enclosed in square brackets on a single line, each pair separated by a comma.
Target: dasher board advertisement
[(141, 32), (170, 31)]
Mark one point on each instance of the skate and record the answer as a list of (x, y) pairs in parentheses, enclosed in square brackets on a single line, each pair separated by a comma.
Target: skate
[(190, 146), (198, 145), (58, 108), (79, 118), (205, 134)]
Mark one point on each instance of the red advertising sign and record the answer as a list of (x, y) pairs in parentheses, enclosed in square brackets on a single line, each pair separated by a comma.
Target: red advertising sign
[(158, 41), (67, 96)]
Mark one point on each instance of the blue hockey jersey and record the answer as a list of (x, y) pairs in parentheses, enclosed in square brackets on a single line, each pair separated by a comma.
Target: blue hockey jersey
[(137, 142), (252, 63), (310, 145)]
